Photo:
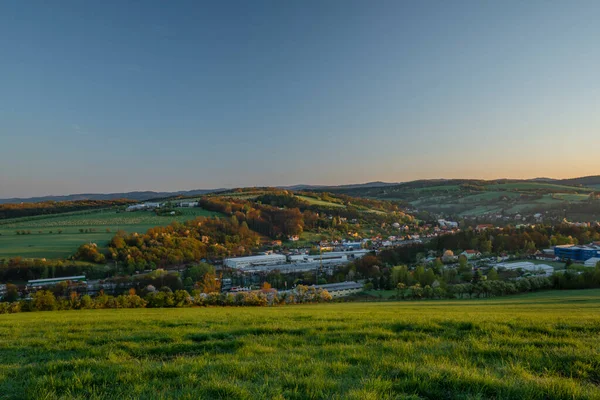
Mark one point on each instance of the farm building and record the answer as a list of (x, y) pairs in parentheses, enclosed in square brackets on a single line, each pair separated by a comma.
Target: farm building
[(576, 253), (341, 289), (265, 259)]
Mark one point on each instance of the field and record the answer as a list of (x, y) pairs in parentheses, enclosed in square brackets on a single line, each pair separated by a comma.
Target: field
[(59, 245), (536, 346), (312, 200)]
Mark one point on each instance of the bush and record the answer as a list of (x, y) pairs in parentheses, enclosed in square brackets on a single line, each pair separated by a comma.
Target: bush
[(44, 300)]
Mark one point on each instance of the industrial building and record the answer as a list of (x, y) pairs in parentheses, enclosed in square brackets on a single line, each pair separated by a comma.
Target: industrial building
[(254, 261), (529, 267), (53, 281), (592, 262), (341, 289), (286, 268), (336, 256), (576, 253)]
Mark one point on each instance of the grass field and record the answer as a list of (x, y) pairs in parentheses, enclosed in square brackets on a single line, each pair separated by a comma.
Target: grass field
[(312, 200), (55, 245), (537, 346), (536, 186), (572, 196)]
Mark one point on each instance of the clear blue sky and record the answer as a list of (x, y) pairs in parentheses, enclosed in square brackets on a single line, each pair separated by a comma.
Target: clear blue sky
[(107, 96)]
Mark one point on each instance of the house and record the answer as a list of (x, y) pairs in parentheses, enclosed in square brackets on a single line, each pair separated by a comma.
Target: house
[(483, 227), (471, 254), (293, 238)]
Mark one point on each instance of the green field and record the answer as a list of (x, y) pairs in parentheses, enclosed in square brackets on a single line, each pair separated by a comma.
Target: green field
[(312, 200), (536, 346), (571, 196), (55, 245), (536, 186)]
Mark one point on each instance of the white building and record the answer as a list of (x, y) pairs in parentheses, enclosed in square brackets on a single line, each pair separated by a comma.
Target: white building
[(265, 259), (447, 224), (188, 204), (592, 262), (341, 289), (143, 206), (54, 281), (336, 256), (528, 266)]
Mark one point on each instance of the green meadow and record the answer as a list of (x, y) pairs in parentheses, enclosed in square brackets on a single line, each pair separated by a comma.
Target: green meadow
[(312, 200), (536, 346), (45, 241)]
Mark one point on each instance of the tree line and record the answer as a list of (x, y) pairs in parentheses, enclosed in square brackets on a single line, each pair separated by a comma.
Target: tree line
[(46, 300), (19, 210)]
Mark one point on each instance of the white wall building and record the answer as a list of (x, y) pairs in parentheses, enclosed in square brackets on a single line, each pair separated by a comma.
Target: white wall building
[(528, 266), (592, 262), (341, 289), (265, 259)]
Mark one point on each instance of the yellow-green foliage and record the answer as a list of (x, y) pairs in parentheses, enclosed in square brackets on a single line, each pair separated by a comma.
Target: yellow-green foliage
[(537, 346)]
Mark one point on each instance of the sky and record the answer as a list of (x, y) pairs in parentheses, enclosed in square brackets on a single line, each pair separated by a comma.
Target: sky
[(113, 96)]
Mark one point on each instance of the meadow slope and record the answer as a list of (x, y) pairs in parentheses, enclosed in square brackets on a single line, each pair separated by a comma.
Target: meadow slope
[(537, 346), (44, 241)]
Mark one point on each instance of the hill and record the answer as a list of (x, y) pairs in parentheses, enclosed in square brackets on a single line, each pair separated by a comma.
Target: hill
[(137, 196), (535, 346), (480, 198)]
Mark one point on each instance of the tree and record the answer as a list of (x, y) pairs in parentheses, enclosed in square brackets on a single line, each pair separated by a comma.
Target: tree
[(492, 275), (463, 265), (400, 287), (210, 283), (44, 300), (197, 272), (486, 246), (12, 293), (428, 292), (400, 274), (419, 274)]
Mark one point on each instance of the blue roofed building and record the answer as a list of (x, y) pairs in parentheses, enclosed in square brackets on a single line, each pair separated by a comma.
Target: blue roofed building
[(576, 253)]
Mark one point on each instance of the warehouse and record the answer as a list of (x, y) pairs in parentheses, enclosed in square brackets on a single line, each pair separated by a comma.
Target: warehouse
[(253, 261), (36, 283), (341, 289), (592, 262), (577, 253), (529, 267)]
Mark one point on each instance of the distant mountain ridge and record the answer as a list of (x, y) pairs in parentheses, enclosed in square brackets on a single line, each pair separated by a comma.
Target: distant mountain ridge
[(139, 196), (589, 181), (148, 195)]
